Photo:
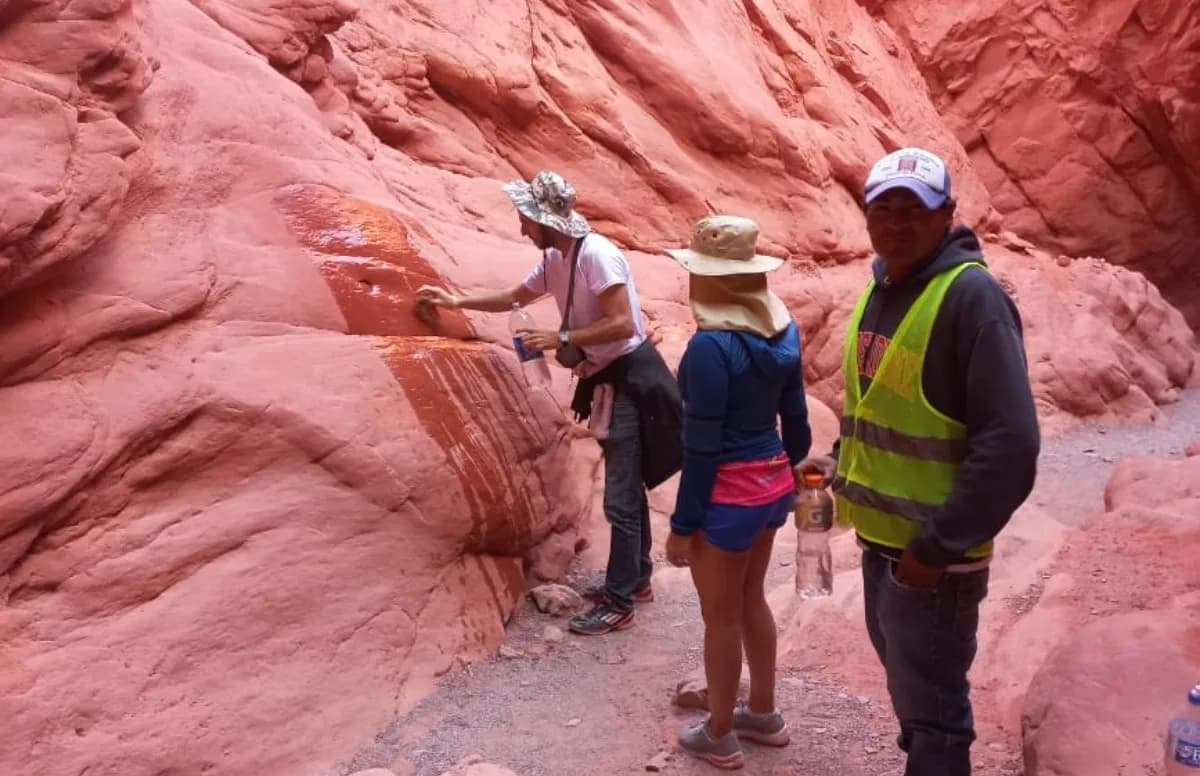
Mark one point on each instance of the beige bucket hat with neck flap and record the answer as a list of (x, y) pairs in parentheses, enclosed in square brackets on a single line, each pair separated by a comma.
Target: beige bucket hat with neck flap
[(728, 286)]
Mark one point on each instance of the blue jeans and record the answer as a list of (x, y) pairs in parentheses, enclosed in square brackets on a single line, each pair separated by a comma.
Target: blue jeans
[(625, 504), (926, 640)]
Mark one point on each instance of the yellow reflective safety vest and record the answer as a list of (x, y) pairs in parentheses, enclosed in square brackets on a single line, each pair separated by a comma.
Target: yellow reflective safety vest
[(899, 456)]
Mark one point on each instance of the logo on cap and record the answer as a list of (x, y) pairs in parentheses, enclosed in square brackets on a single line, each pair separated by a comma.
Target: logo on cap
[(915, 169)]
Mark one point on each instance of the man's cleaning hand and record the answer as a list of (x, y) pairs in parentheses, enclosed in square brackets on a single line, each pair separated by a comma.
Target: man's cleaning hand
[(436, 296)]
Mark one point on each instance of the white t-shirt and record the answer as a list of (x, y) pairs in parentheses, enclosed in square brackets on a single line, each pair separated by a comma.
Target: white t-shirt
[(601, 266)]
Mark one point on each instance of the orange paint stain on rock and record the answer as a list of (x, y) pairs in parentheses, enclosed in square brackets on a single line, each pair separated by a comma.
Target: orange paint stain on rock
[(481, 416), (371, 259), (504, 579), (466, 399)]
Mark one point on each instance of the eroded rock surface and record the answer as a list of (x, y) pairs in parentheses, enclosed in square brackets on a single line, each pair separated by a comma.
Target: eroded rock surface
[(248, 498), (1080, 117)]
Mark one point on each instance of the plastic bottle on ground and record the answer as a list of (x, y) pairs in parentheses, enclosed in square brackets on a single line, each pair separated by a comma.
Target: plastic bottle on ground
[(1183, 738)]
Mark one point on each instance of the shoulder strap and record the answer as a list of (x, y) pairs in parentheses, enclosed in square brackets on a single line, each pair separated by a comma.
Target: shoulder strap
[(566, 320)]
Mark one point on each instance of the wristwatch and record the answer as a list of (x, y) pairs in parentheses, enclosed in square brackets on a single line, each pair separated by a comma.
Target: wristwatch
[(564, 338)]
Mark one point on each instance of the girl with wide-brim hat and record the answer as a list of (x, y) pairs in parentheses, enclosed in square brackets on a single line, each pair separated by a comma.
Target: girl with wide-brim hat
[(740, 374)]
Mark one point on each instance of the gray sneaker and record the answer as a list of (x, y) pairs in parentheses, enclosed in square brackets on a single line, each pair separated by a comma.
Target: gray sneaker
[(724, 753), (768, 729)]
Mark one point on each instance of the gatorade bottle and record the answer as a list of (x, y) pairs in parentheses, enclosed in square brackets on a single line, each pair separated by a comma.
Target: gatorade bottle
[(1183, 738), (814, 522), (533, 362)]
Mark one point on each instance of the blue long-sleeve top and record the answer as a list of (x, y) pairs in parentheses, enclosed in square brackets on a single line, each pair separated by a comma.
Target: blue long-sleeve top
[(738, 390)]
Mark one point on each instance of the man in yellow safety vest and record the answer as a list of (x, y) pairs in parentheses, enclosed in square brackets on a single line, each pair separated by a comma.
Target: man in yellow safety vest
[(938, 447)]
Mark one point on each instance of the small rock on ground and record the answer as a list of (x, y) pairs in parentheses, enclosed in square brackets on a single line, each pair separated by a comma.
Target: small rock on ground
[(692, 691), (659, 762), (474, 766), (557, 600)]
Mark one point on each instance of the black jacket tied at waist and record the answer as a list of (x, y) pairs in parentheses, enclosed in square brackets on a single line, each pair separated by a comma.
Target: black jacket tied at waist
[(644, 376)]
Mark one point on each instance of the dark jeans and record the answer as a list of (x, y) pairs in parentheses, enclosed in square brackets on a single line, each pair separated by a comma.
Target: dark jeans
[(625, 504), (926, 640)]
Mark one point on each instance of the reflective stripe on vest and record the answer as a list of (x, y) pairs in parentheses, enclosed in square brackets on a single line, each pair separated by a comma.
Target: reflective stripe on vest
[(882, 502), (899, 455), (929, 448)]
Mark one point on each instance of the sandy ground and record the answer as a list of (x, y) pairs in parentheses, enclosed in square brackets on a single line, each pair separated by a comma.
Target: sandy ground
[(561, 705)]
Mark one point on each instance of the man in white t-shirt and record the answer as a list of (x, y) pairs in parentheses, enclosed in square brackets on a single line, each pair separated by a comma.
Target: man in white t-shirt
[(600, 267), (603, 338)]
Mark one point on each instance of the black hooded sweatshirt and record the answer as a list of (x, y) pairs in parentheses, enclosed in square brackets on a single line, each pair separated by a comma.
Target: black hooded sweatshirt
[(975, 371)]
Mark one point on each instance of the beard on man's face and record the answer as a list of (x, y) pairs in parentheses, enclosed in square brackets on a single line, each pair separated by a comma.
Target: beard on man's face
[(535, 233), (543, 238)]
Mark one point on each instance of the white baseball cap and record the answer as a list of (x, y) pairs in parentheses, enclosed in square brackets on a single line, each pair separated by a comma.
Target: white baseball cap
[(921, 172)]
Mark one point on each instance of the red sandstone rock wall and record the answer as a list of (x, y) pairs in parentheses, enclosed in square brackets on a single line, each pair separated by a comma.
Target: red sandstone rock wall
[(250, 505), (1082, 118), (1144, 655)]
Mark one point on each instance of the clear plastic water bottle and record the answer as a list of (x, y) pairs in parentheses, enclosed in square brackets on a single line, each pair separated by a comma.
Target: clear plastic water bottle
[(533, 362), (1183, 738), (814, 523)]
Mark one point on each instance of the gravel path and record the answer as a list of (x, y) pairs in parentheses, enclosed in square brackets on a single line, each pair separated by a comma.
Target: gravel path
[(568, 706), (587, 707), (1074, 468)]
